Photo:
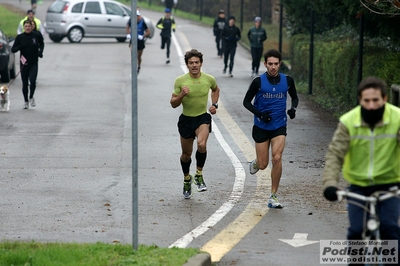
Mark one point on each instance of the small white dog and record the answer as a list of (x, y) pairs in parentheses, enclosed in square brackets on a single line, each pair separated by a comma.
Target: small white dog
[(4, 98)]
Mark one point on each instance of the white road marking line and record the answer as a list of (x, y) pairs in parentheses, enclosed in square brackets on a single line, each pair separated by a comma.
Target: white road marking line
[(231, 235), (179, 50)]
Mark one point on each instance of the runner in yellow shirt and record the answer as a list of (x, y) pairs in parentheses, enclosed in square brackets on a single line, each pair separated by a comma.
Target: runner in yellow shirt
[(192, 90)]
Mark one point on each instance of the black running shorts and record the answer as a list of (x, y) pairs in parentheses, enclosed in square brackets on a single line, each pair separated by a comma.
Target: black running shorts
[(261, 135), (187, 125), (140, 45)]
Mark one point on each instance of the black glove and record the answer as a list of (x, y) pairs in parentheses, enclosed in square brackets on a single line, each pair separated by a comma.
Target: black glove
[(292, 113), (41, 55), (330, 193), (266, 117)]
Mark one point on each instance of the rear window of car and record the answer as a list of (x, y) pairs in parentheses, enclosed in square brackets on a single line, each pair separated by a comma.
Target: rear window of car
[(93, 8), (77, 8), (57, 7)]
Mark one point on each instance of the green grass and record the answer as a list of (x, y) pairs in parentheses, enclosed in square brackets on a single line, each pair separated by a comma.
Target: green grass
[(9, 21), (99, 254)]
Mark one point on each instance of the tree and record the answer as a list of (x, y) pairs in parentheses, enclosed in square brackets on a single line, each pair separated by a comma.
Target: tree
[(332, 13)]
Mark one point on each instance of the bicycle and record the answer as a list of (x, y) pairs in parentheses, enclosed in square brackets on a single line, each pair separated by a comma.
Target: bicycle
[(371, 224)]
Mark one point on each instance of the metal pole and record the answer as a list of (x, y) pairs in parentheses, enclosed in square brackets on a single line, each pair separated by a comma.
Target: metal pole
[(395, 94), (311, 63), (228, 13), (360, 50), (280, 26), (241, 15), (134, 66), (260, 9), (201, 9)]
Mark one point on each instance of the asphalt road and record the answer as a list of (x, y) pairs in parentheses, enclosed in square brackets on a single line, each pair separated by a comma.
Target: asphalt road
[(66, 172)]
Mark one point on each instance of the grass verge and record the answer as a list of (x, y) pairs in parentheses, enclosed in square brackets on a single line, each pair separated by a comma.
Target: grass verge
[(9, 19), (98, 254)]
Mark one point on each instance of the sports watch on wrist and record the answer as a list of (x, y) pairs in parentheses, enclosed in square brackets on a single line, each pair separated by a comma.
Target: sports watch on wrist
[(215, 105)]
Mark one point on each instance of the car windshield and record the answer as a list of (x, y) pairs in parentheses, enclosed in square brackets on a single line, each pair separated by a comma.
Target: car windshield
[(57, 7)]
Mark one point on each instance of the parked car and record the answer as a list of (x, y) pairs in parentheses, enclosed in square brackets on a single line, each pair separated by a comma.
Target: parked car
[(7, 58), (76, 19)]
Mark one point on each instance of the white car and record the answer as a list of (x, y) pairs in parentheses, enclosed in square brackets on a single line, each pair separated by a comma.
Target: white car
[(76, 19)]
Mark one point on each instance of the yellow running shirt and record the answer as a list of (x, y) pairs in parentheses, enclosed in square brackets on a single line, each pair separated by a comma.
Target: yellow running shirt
[(195, 102)]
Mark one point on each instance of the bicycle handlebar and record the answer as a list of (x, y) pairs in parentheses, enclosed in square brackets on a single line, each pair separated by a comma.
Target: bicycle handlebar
[(374, 197)]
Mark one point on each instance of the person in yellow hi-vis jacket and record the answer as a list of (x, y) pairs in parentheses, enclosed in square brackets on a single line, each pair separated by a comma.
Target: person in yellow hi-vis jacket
[(166, 24), (365, 149), (30, 15)]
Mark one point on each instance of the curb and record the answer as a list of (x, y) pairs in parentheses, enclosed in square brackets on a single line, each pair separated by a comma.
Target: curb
[(202, 259)]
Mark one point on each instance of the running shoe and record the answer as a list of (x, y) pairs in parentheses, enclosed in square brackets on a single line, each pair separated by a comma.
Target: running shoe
[(187, 188), (26, 105), (253, 167), (32, 102), (167, 61), (199, 182), (274, 203)]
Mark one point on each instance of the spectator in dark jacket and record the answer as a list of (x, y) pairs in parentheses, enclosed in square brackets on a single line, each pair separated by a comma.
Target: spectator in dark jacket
[(231, 35), (257, 35), (170, 3), (219, 24), (30, 46)]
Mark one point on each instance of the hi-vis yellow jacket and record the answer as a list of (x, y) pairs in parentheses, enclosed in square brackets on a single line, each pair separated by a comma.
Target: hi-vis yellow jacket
[(38, 23), (160, 23), (369, 156)]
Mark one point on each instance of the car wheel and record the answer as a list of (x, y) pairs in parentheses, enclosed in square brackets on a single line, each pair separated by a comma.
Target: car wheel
[(12, 72), (121, 39), (5, 75), (56, 37), (75, 34)]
